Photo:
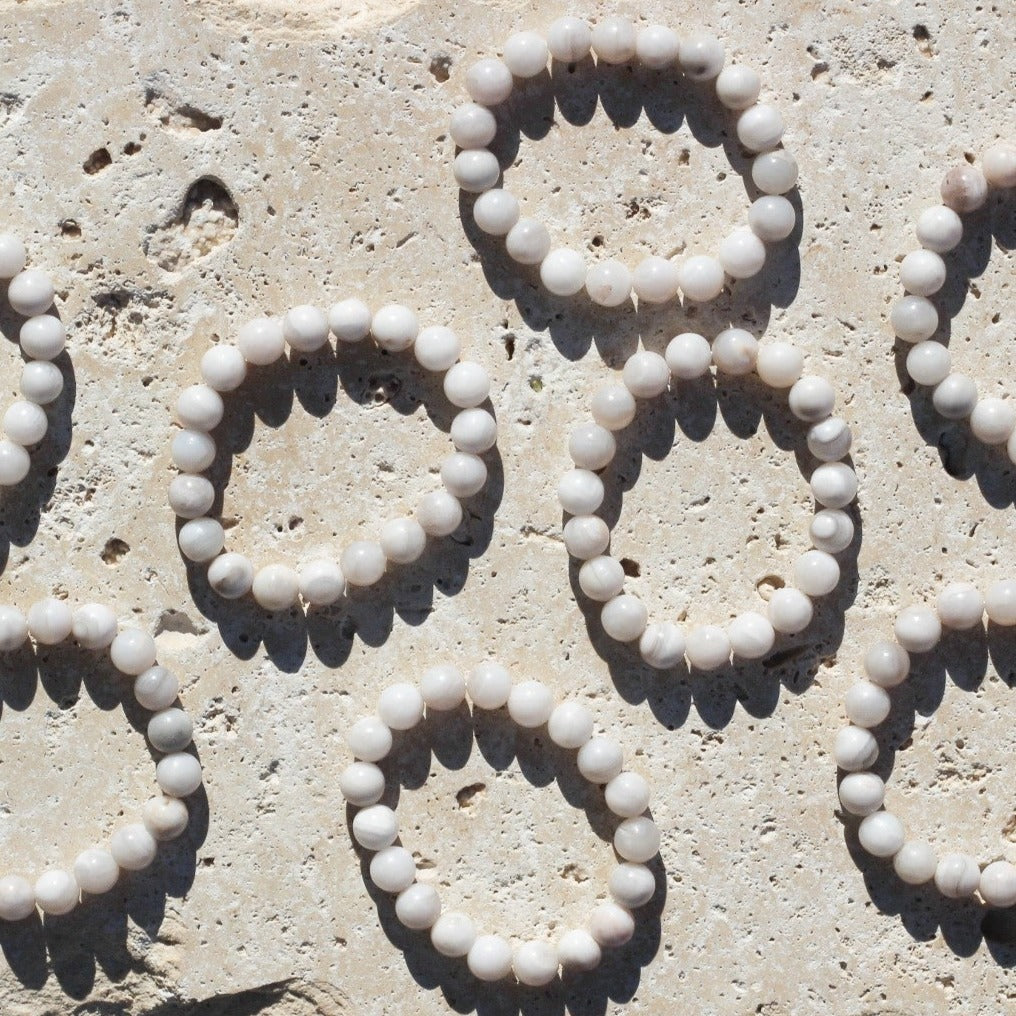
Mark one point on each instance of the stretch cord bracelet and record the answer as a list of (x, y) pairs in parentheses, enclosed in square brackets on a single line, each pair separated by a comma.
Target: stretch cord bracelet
[(563, 270), (530, 704), (961, 607), (42, 338), (592, 446), (320, 582), (178, 773), (923, 272)]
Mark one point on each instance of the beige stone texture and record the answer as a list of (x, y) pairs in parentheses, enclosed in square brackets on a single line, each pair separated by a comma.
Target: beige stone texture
[(181, 167)]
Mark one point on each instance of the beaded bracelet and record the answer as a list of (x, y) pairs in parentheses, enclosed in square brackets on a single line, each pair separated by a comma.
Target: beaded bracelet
[(915, 319), (530, 704), (592, 446), (563, 270), (199, 409), (961, 607), (178, 773), (42, 338)]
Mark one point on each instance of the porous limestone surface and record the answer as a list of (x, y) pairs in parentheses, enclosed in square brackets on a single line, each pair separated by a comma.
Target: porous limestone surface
[(181, 167)]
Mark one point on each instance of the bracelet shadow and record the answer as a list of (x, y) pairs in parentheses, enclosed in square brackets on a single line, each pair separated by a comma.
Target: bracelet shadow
[(691, 413), (669, 102), (447, 739), (93, 937), (963, 456), (370, 377), (962, 658)]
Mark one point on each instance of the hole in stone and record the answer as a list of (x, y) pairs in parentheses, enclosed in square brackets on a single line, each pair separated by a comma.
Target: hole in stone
[(131, 148), (69, 227), (97, 161), (630, 567), (509, 344), (440, 67), (466, 795), (114, 550)]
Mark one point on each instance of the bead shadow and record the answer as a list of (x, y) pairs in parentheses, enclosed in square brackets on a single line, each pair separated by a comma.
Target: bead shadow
[(962, 455), (93, 935), (668, 101), (447, 739), (689, 412), (371, 378), (21, 505), (961, 658)]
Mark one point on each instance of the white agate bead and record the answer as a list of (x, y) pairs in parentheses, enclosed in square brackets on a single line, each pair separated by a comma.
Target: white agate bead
[(490, 958), (861, 793), (476, 170), (779, 364), (955, 397), (261, 341), (613, 407), (14, 463), (867, 705), (43, 337), (613, 40), (580, 491), (25, 423), (14, 628), (999, 166), (362, 784), (637, 839), (646, 374), (600, 759), (392, 869), (662, 645), (394, 327), (915, 862), (489, 685), (688, 356), (914, 318), (50, 621), (591, 446), (443, 687), (624, 617), (535, 963), (165, 818), (772, 218), (157, 688), (369, 739), (224, 368), (939, 229), (998, 883), (834, 485), (816, 573), (305, 328), (881, 834), (56, 892), (751, 635), (13, 255), (133, 847), (964, 189), (528, 241), (375, 827), (960, 606), (701, 278), (578, 950), (530, 704), (569, 40), (95, 870), (453, 934), (400, 706), (41, 382), (199, 407), (474, 431), (439, 513), (922, 272), (349, 320), (496, 212), (774, 172), (321, 582), (601, 578), (563, 271), (735, 351), (701, 57), (191, 496), (707, 647), (632, 885), (742, 254), (789, 611), (231, 575), (466, 385), (402, 541), (738, 87), (525, 54), (363, 563), (611, 925), (489, 81), (436, 348), (760, 127), (929, 363), (418, 907), (831, 530), (192, 451), (463, 475), (918, 629), (570, 725), (17, 897), (829, 439), (1000, 602), (655, 280), (608, 283), (472, 126), (886, 664), (992, 420), (657, 46), (170, 730), (30, 293), (957, 876), (178, 774), (812, 399), (627, 794)]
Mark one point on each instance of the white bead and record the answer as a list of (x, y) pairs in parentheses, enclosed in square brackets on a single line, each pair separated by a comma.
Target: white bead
[(812, 399), (418, 907), (922, 272), (133, 651), (624, 617), (56, 892), (50, 621), (834, 485), (563, 271), (436, 348), (886, 664), (774, 172), (657, 46), (199, 407), (394, 327), (223, 368), (474, 431), (998, 884), (453, 934), (992, 421), (955, 397), (363, 563), (939, 229), (611, 925), (591, 446), (779, 364), (600, 759), (463, 475), (964, 188), (178, 774), (742, 254), (133, 847), (190, 496), (305, 328), (867, 705), (707, 647), (276, 587), (439, 513), (476, 170), (165, 817), (570, 725), (646, 374), (613, 407), (960, 606), (735, 352), (918, 629), (831, 530), (156, 688), (12, 255), (17, 897), (816, 573), (30, 292), (25, 423), (662, 645), (627, 794), (490, 958), (321, 582), (231, 575), (392, 869), (376, 827), (789, 611), (632, 885), (192, 451), (914, 318), (608, 283), (369, 739), (530, 703), (929, 363), (881, 834), (402, 541), (830, 439), (578, 950), (957, 876), (95, 870), (525, 54), (738, 87), (41, 382), (751, 635), (472, 126), (701, 57), (362, 784), (43, 337), (999, 166), (496, 212), (701, 278), (466, 384), (688, 356), (1000, 602), (580, 491), (760, 128), (489, 81), (261, 341), (655, 280), (350, 320), (637, 839), (601, 578), (443, 687), (14, 628), (535, 963), (862, 793), (489, 685), (613, 40), (915, 862), (772, 218), (569, 40), (528, 241)]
